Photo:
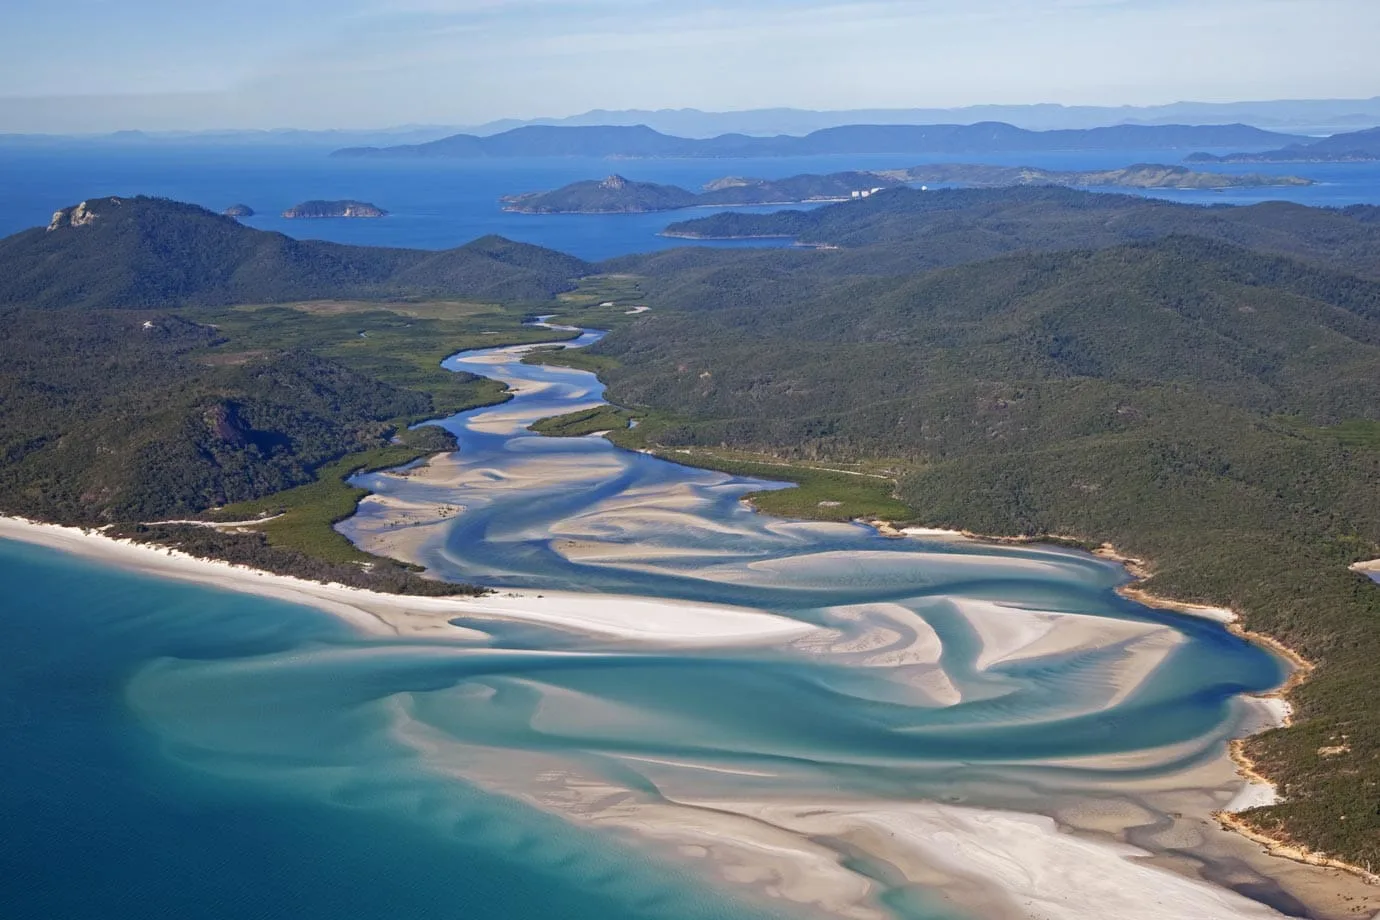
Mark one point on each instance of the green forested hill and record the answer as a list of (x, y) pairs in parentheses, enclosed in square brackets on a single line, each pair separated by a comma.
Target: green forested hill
[(1213, 409), (1255, 331), (124, 417), (1200, 386), (150, 252), (903, 229), (105, 419)]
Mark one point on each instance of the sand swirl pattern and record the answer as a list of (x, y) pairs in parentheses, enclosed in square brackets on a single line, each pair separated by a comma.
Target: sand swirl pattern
[(824, 720)]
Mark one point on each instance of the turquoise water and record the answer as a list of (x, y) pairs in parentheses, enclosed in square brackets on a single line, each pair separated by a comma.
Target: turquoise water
[(171, 750), (103, 818)]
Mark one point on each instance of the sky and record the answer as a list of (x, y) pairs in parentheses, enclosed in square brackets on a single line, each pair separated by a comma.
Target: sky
[(100, 65)]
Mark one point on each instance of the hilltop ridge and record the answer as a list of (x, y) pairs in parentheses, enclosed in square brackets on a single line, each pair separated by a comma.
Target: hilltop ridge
[(1352, 147), (985, 137), (152, 252)]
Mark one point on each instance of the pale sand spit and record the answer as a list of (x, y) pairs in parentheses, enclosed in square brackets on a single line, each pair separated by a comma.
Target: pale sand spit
[(634, 619)]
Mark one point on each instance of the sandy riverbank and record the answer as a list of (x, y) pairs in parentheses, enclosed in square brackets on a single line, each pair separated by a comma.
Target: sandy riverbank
[(1259, 790), (774, 846)]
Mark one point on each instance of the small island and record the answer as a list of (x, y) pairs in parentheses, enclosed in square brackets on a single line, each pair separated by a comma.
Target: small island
[(614, 195), (618, 195), (321, 209), (238, 210)]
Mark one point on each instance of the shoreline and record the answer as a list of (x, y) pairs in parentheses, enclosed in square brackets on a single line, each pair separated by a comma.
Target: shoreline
[(616, 618), (1300, 669), (680, 625)]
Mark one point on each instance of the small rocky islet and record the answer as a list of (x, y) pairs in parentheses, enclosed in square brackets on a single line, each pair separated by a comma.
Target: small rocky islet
[(344, 208)]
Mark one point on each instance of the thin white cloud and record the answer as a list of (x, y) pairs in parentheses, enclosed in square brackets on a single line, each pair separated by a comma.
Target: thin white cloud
[(465, 61)]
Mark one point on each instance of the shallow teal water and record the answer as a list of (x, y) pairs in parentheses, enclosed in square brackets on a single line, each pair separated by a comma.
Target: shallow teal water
[(102, 818), (200, 753)]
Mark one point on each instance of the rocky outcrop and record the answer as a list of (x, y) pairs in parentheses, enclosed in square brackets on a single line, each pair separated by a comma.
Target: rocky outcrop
[(239, 210), (80, 215)]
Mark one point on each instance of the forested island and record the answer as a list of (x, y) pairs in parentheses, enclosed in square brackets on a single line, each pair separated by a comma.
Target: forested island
[(1353, 147), (1138, 175), (640, 141), (618, 195), (944, 226), (1199, 386), (345, 208), (238, 210)]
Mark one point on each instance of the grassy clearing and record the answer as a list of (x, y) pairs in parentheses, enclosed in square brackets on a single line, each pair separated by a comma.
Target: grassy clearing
[(624, 291), (431, 309), (401, 344), (819, 494), (585, 422), (309, 513), (863, 492), (577, 358), (603, 302), (1358, 433), (394, 343)]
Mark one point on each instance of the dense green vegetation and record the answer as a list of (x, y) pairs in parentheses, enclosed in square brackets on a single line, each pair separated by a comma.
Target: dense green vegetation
[(113, 414), (821, 494), (1199, 386), (1203, 406), (129, 415), (251, 548), (617, 195), (153, 253), (316, 208), (901, 231), (302, 519), (584, 422), (614, 195)]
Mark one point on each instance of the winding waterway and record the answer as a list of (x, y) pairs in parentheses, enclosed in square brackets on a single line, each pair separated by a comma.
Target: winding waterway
[(925, 670), (675, 708)]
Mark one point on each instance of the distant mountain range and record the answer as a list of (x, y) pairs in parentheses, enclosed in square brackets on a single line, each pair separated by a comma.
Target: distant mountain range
[(617, 195), (1315, 117), (1355, 147), (640, 141), (1294, 116)]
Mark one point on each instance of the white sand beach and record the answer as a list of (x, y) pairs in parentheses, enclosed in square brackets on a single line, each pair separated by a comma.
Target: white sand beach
[(619, 618), (1004, 863)]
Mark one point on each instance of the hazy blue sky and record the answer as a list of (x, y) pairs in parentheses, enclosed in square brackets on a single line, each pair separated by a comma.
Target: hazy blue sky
[(104, 64)]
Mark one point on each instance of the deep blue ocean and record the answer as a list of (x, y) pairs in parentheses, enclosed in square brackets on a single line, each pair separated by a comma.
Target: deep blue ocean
[(439, 204), (170, 751)]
